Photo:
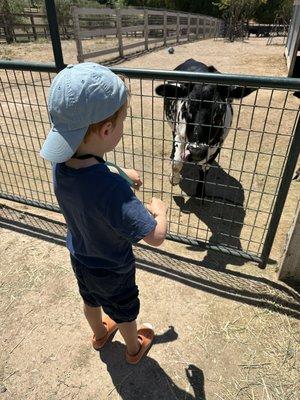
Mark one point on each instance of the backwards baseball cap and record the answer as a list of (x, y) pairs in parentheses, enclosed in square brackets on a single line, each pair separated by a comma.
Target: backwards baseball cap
[(80, 95)]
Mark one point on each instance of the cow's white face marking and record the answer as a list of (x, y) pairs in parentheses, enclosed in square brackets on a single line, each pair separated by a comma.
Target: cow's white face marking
[(180, 142), (211, 150)]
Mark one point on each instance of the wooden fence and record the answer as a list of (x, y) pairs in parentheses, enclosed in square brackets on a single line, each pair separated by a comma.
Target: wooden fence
[(27, 26), (293, 43), (153, 27)]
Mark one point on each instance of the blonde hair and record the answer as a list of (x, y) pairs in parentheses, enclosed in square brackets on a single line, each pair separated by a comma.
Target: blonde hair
[(94, 128)]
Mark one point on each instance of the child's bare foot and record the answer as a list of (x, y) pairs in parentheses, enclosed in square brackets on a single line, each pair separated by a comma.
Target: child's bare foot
[(145, 338), (110, 327)]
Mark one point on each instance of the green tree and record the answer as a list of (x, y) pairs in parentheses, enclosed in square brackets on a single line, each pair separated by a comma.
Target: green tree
[(7, 9), (267, 12), (236, 14)]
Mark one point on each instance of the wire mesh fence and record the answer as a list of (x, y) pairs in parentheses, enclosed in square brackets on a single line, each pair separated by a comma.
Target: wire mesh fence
[(242, 185)]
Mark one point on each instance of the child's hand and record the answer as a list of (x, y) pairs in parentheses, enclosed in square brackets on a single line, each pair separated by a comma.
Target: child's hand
[(157, 207), (134, 176)]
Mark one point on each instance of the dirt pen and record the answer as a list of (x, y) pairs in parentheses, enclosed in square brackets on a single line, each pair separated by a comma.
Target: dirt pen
[(225, 329)]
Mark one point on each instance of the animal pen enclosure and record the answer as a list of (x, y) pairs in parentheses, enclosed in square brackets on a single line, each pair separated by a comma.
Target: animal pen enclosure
[(246, 186)]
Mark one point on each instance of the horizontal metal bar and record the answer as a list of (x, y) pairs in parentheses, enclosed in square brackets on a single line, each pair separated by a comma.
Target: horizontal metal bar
[(176, 238), (219, 248), (228, 79), (26, 66), (243, 80), (33, 203)]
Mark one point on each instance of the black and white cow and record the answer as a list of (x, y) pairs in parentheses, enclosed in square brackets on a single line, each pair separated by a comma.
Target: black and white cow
[(200, 116)]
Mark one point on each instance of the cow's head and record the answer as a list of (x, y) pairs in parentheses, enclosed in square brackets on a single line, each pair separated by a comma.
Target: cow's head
[(200, 114)]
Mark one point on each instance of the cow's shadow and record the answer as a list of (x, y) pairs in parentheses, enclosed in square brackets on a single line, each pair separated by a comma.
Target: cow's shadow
[(221, 210)]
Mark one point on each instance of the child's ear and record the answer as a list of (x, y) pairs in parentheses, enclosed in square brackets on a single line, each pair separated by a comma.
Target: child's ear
[(105, 130)]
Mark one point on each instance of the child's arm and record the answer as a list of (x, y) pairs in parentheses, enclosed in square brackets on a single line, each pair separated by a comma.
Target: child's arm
[(134, 176), (130, 175), (159, 211)]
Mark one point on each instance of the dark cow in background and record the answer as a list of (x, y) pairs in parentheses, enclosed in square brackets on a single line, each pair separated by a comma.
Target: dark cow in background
[(200, 116)]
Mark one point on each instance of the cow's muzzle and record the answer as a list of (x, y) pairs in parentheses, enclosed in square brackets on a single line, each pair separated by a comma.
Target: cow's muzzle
[(196, 152)]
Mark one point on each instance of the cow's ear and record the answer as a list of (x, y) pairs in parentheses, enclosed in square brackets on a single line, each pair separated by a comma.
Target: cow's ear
[(172, 90), (297, 94), (238, 92), (234, 92), (211, 68)]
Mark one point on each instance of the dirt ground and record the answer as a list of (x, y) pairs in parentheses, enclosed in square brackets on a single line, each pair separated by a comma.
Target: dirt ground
[(225, 329)]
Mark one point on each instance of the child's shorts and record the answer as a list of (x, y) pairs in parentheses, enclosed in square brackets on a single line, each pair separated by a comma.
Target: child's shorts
[(114, 290)]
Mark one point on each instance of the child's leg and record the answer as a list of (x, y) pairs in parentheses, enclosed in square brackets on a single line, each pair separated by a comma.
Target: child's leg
[(129, 332), (94, 318)]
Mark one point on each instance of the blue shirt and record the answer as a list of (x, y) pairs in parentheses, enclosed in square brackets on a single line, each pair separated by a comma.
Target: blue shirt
[(103, 215)]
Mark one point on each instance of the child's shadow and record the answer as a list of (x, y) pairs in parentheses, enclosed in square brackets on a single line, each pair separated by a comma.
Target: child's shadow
[(147, 380), (222, 210)]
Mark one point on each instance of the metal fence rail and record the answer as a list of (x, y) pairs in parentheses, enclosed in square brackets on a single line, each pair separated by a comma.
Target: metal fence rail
[(246, 187)]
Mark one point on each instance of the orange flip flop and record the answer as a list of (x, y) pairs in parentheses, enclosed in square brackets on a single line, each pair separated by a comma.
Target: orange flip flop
[(145, 337), (111, 327)]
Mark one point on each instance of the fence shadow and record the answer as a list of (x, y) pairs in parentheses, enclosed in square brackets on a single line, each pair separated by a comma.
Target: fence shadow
[(254, 290), (222, 210)]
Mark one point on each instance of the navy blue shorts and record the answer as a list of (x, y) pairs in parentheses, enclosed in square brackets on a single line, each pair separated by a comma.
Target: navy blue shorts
[(114, 290)]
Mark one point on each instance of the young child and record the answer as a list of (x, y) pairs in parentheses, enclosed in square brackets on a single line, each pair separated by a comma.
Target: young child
[(87, 106)]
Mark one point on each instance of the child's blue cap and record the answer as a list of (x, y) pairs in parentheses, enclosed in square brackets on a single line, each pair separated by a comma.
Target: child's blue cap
[(80, 95)]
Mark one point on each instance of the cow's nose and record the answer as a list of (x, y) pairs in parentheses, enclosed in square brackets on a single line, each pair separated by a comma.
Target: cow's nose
[(198, 152)]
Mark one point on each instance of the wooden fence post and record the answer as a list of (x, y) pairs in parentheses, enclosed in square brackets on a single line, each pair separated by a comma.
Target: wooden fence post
[(178, 28), (211, 29), (204, 27), (197, 28), (146, 25), (119, 32), (290, 261), (8, 23), (33, 27), (77, 37), (189, 27), (165, 28)]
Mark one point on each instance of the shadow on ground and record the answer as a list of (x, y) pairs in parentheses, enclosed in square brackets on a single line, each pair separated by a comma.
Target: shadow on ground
[(129, 381), (238, 286), (221, 210)]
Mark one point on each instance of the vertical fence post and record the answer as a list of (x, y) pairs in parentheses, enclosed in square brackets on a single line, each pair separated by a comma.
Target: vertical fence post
[(211, 31), (165, 28), (119, 31), (204, 27), (282, 194), (33, 27), (54, 33), (189, 27), (216, 28), (146, 29), (290, 260), (77, 37), (8, 22), (178, 28), (197, 28)]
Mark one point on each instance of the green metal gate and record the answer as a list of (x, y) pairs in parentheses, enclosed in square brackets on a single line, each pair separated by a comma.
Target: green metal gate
[(247, 186)]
